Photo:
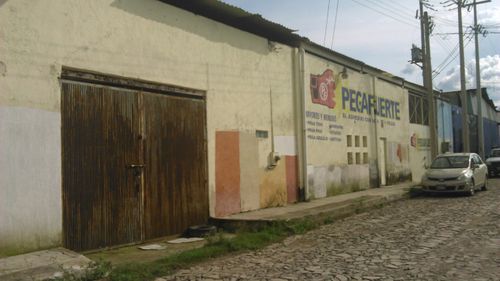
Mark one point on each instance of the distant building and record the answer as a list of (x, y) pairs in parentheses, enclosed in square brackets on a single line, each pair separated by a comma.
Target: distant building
[(490, 117)]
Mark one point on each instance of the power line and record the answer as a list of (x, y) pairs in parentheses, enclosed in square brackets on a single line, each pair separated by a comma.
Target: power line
[(335, 23), (449, 58), (389, 9), (385, 14), (394, 6), (469, 38), (326, 24)]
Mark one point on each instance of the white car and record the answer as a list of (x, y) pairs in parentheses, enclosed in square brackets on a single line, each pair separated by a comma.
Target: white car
[(456, 172)]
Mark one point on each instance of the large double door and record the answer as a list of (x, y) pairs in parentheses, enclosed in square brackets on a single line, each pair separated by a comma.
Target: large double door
[(133, 162)]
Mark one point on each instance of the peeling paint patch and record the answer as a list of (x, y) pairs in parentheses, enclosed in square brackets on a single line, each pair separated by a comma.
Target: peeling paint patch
[(337, 179), (395, 177), (3, 69), (227, 173)]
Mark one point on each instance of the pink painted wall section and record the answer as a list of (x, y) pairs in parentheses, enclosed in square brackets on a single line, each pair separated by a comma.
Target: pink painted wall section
[(227, 173), (292, 181)]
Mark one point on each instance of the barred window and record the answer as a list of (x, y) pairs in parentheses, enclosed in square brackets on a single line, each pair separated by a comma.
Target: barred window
[(425, 111), (419, 110)]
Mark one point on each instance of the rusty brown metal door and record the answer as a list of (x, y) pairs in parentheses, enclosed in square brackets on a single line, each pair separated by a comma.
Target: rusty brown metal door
[(134, 163), (176, 193), (101, 191)]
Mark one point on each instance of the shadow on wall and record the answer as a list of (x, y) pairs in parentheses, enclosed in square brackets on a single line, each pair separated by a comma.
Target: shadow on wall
[(2, 2), (169, 15)]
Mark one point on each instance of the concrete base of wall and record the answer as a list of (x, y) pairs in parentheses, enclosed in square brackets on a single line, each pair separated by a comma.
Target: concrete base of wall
[(30, 180)]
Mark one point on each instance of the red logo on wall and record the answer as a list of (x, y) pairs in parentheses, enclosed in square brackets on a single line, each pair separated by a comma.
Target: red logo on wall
[(323, 88), (413, 140)]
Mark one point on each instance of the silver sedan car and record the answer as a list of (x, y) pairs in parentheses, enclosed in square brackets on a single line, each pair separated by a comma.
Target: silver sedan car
[(456, 172)]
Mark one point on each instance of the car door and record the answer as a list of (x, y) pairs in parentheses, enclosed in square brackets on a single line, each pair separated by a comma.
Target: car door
[(483, 167), (480, 172)]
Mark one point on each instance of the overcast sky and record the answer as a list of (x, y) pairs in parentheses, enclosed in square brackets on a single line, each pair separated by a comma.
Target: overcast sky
[(381, 32)]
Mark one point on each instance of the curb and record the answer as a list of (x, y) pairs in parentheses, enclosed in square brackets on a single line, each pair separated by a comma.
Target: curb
[(327, 214)]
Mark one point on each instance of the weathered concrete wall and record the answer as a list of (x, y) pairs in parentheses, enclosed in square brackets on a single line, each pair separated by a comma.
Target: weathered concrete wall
[(346, 118), (396, 133), (240, 72)]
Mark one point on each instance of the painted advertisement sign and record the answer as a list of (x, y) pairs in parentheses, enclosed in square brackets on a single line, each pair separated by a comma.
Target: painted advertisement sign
[(356, 105)]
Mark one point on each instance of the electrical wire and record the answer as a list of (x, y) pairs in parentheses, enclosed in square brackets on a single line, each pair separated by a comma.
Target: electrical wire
[(385, 14), (453, 54), (395, 6), (391, 10), (469, 38), (335, 23), (326, 24)]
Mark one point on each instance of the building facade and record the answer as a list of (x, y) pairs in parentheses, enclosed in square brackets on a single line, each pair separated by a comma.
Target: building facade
[(122, 122)]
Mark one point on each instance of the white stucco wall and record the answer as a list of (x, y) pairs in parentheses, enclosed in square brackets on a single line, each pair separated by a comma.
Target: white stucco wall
[(150, 40), (30, 202)]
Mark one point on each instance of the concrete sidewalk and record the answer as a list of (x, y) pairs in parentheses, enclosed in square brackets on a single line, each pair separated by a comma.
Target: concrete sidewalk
[(334, 207), (41, 265)]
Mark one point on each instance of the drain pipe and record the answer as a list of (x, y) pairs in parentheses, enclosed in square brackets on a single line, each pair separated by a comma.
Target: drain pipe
[(374, 90), (300, 122)]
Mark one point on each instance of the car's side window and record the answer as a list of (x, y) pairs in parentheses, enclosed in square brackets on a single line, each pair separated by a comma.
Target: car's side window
[(479, 160), (473, 159), (476, 159)]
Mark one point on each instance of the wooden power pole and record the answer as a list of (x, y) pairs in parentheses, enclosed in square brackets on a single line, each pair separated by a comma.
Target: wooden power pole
[(479, 94), (427, 77), (463, 91)]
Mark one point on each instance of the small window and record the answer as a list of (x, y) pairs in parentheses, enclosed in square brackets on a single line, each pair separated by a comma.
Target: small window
[(365, 141), (349, 140), (261, 134), (349, 158), (356, 141), (365, 157), (358, 158)]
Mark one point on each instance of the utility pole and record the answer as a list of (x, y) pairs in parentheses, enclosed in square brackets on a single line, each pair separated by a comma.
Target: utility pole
[(463, 92), (427, 77), (479, 94), (430, 91)]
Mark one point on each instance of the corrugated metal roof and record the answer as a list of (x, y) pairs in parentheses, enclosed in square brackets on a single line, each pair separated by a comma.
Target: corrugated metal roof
[(455, 97), (239, 18), (256, 24)]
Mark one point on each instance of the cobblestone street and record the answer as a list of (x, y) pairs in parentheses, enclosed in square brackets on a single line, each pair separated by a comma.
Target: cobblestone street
[(427, 238)]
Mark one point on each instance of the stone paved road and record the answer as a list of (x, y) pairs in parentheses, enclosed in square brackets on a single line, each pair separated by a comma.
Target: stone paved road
[(430, 238)]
